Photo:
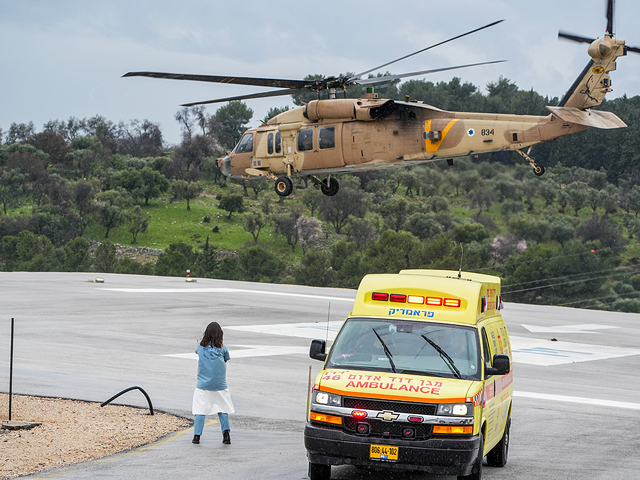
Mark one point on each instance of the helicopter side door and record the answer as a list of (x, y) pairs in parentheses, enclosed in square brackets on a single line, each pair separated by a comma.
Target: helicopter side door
[(320, 146)]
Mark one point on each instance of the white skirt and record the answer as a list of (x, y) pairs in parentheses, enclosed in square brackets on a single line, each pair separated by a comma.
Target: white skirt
[(208, 402)]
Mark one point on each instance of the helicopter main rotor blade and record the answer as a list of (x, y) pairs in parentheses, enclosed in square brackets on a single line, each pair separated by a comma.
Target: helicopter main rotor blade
[(353, 77), (633, 49), (610, 17), (273, 93), (575, 38), (259, 82), (388, 78)]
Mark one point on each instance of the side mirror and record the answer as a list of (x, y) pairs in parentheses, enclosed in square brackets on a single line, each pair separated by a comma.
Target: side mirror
[(501, 365), (317, 350)]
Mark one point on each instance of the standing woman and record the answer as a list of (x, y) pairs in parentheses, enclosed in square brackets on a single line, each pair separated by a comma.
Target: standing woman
[(212, 395)]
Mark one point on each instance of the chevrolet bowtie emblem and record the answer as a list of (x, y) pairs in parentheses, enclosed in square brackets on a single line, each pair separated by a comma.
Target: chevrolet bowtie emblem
[(387, 416)]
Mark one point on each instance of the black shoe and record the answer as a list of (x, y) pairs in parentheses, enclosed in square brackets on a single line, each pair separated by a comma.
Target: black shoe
[(196, 439), (226, 438)]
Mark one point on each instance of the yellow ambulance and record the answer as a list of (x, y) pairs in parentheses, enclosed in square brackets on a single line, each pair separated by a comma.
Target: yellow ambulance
[(418, 378)]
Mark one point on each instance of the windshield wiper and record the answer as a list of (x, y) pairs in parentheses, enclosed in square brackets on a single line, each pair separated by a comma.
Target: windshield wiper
[(386, 350), (443, 354)]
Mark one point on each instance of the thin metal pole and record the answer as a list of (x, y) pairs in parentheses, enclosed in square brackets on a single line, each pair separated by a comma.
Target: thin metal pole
[(309, 392), (11, 370)]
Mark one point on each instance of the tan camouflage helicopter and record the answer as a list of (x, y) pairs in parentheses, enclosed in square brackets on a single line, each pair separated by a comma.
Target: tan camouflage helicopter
[(338, 135)]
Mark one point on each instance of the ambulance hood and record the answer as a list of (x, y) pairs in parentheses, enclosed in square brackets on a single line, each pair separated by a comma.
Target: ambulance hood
[(392, 386)]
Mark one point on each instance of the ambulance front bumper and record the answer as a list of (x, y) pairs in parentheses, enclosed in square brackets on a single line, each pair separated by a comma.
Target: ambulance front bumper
[(439, 456)]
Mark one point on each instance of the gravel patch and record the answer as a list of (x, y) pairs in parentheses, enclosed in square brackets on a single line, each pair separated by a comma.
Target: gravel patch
[(74, 431)]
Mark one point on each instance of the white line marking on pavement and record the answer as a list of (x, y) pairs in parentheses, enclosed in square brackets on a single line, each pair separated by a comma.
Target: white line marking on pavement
[(537, 351), (583, 400), (225, 290), (244, 351), (587, 328), (532, 351), (303, 330)]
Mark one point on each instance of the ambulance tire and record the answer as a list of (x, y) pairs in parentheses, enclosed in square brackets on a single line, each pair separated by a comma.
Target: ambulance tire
[(497, 457), (476, 473), (319, 472)]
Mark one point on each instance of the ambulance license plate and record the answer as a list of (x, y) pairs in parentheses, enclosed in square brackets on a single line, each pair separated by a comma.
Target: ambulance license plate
[(383, 452)]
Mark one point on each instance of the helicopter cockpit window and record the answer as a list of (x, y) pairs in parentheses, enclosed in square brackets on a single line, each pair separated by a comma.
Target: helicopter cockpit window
[(270, 143), (305, 140), (278, 142), (246, 144), (327, 137)]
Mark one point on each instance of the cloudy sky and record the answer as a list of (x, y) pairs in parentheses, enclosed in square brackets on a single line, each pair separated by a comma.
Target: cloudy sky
[(65, 58)]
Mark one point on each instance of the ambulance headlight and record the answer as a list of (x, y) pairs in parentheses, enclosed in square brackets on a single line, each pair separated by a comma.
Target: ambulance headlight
[(455, 409), (326, 398)]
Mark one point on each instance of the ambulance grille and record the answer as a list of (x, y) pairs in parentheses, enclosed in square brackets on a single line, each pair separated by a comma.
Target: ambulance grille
[(378, 428), (381, 405)]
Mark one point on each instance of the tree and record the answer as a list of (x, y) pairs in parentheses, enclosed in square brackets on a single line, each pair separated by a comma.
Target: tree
[(76, 255), (186, 190), (29, 252), (253, 223), (19, 132), (577, 196), (481, 198), (311, 198), (110, 210), (561, 229), (137, 222), (315, 269), (425, 226), (395, 212), (232, 203), (285, 224), (361, 231), (275, 111), (347, 265), (153, 184), (83, 199), (139, 139), (391, 252), (469, 232), (104, 258), (260, 265), (535, 275), (231, 121), (337, 209), (52, 144), (309, 233), (12, 187)]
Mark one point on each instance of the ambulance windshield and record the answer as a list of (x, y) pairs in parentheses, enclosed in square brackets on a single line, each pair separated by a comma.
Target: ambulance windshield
[(405, 346)]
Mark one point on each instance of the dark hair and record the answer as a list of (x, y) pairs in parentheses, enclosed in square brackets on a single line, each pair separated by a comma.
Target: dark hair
[(212, 336)]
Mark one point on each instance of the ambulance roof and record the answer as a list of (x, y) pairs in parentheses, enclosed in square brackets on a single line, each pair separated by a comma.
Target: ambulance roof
[(429, 295)]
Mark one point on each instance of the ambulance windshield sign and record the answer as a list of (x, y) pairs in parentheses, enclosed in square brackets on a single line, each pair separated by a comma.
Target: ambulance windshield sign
[(405, 346)]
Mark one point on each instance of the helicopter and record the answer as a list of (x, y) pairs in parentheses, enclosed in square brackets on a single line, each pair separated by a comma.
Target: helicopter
[(336, 135)]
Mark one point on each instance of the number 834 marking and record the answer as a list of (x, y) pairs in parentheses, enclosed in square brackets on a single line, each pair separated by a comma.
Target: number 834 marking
[(486, 131)]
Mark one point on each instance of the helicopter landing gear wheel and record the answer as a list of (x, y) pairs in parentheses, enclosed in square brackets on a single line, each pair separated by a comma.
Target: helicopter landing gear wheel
[(330, 186), (283, 186), (538, 170)]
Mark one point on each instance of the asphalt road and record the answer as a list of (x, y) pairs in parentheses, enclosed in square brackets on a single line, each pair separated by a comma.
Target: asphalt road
[(576, 402)]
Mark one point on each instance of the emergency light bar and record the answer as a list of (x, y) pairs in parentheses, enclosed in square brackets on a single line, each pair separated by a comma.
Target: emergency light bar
[(416, 300)]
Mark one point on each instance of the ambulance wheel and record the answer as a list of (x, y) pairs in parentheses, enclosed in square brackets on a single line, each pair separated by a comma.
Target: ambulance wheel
[(476, 472), (284, 186), (332, 188), (538, 170), (497, 457), (319, 472)]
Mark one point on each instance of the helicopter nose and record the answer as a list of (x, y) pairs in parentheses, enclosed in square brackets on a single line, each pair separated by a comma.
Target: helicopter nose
[(225, 168)]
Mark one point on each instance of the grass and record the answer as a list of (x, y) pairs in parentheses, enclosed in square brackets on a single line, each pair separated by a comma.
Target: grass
[(173, 223)]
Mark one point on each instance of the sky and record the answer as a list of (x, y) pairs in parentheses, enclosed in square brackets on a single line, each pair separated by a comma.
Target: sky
[(65, 58)]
